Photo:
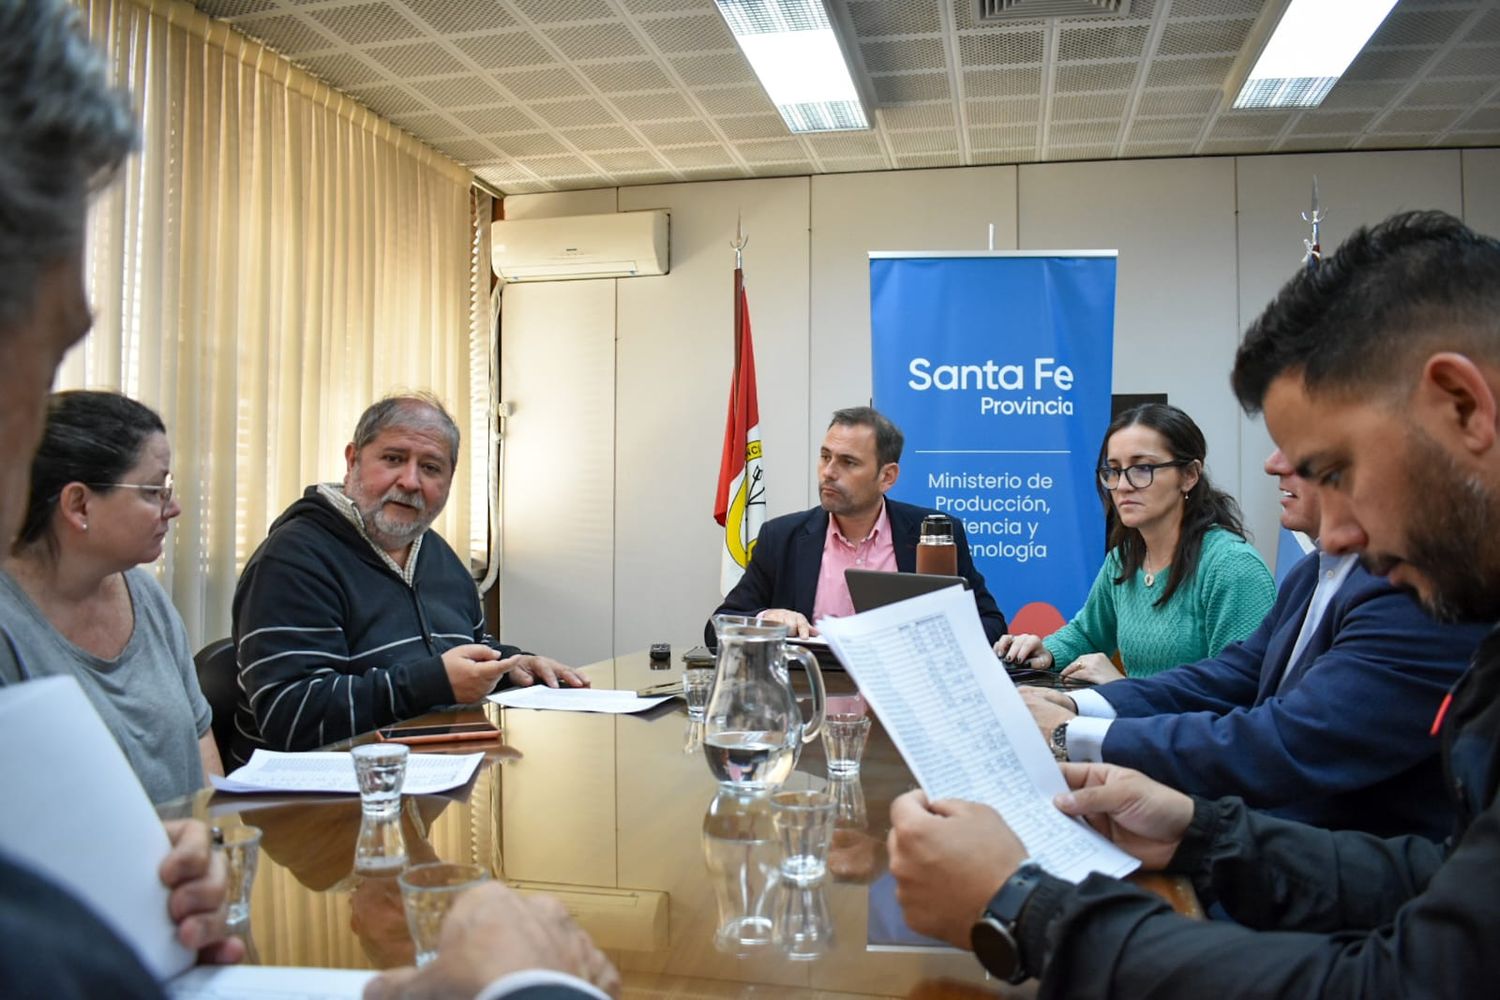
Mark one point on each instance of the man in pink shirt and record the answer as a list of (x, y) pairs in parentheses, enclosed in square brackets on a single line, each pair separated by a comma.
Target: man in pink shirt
[(796, 571)]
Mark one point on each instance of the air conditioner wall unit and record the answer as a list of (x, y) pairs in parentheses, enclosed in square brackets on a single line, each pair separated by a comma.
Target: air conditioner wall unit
[(569, 247)]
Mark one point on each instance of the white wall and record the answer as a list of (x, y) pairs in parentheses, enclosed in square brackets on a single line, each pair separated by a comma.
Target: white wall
[(621, 387)]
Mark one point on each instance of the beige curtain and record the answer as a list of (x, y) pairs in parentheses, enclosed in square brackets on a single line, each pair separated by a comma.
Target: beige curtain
[(274, 259)]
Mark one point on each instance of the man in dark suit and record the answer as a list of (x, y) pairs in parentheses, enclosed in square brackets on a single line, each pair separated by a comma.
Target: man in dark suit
[(796, 570), (1322, 715)]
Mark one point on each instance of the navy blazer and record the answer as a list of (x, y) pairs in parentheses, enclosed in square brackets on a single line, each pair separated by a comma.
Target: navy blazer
[(788, 553), (1345, 744)]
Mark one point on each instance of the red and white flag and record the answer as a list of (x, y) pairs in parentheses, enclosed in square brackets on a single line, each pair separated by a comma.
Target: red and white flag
[(740, 505)]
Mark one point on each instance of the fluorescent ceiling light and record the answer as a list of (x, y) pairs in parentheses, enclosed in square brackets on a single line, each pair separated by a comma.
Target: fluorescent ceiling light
[(1314, 43), (792, 48)]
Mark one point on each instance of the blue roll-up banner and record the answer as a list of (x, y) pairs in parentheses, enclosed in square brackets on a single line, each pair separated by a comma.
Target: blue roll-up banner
[(998, 368)]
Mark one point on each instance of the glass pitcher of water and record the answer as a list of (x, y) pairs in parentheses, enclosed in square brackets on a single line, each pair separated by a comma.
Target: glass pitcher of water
[(753, 726)]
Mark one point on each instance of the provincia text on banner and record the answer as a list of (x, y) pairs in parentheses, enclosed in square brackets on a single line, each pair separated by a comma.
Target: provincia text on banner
[(998, 368)]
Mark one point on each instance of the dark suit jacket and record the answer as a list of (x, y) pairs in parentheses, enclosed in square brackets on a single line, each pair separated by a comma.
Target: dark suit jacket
[(1345, 744), (53, 946), (783, 570)]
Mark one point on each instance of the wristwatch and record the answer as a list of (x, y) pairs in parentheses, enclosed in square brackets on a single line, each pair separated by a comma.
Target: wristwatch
[(993, 936), (1059, 742)]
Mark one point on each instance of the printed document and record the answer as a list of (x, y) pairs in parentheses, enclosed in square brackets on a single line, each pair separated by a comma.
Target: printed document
[(268, 982), (273, 771), (566, 699), (928, 671)]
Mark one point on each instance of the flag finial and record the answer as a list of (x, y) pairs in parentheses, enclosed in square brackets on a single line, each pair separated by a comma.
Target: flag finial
[(740, 239), (1312, 217)]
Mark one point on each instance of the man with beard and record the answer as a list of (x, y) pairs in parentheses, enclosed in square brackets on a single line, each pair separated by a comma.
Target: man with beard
[(1379, 377), (1322, 715), (352, 614), (796, 570)]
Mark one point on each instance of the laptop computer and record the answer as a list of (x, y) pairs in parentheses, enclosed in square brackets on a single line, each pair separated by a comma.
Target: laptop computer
[(870, 589)]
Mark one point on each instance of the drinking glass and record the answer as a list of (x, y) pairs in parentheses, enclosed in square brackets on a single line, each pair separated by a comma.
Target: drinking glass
[(804, 825), (697, 682), (242, 854), (803, 927), (380, 769), (844, 738), (428, 893), (739, 848)]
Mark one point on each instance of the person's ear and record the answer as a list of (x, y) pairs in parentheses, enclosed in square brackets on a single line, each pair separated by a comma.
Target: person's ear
[(1455, 395), (888, 475), (1191, 473), (73, 506)]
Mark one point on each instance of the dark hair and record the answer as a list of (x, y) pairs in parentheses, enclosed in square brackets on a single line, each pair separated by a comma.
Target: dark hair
[(63, 130), (1204, 507), (1417, 282), (888, 437), (415, 410), (90, 437)]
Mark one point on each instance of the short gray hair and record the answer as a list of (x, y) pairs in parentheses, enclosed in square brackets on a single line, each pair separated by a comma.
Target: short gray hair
[(413, 410), (64, 130)]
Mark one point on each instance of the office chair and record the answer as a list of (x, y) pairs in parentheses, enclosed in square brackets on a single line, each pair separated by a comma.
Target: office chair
[(218, 676)]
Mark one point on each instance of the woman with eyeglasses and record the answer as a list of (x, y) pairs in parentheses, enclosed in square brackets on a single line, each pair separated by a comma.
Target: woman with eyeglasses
[(1179, 582), (76, 600)]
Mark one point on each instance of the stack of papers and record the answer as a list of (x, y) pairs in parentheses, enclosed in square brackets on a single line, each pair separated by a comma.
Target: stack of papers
[(566, 699), (270, 771)]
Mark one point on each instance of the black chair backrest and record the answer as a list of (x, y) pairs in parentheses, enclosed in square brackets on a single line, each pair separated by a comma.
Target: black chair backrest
[(219, 677)]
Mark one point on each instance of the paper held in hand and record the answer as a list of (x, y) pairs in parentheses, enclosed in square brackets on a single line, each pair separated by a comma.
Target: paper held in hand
[(926, 668)]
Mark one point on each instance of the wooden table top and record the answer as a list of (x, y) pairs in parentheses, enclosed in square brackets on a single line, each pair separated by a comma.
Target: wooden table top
[(612, 813)]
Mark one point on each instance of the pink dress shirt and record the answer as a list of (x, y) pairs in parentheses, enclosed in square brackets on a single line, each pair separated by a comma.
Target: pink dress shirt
[(877, 551)]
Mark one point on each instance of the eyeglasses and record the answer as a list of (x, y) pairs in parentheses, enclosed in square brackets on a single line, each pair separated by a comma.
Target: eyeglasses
[(1139, 476), (162, 494)]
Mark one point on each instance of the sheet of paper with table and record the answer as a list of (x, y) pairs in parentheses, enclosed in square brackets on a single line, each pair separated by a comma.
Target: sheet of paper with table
[(273, 771), (928, 671), (539, 696)]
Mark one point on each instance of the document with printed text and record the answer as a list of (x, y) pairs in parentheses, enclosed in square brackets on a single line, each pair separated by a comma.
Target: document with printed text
[(565, 699), (272, 771), (268, 982), (928, 671)]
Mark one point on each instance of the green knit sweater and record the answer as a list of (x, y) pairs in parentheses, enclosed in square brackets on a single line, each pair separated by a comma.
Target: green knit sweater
[(1229, 594)]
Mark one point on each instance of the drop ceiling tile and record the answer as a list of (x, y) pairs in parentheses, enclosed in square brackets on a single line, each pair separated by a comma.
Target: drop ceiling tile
[(606, 137), (1099, 152), (845, 145), (1394, 140), (1348, 95), (1002, 112), (417, 59), (1114, 42), (1456, 93), (289, 34), (360, 24), (715, 70), (1198, 101), (569, 114), (648, 107), (927, 160), (522, 144), (1157, 130), (1001, 48), (1083, 133), (344, 70), (1387, 64), (910, 116), (697, 33), (930, 141), (459, 92), (425, 125), (1003, 83), (715, 155), (1079, 77), (739, 127), (1189, 72), (456, 18), (542, 84), (622, 77), (770, 151), (596, 41), (903, 55), (1004, 137), (1316, 143), (1201, 38), (677, 133), (1024, 154), (469, 150), (1483, 119), (1470, 60), (560, 11), (876, 18), (388, 99), (1215, 8), (1082, 107), (1250, 124), (488, 121), (854, 164), (1417, 27), (504, 50), (227, 9), (627, 160), (735, 101), (911, 87), (555, 166), (1426, 120), (1146, 150), (1332, 122)]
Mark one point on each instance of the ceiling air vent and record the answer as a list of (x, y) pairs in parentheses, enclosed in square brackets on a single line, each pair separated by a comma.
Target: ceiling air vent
[(1000, 11)]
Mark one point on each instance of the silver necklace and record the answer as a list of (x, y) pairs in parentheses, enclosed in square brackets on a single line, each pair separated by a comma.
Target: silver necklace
[(1148, 576)]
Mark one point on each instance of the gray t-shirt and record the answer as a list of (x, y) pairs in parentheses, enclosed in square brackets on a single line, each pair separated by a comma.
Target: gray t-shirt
[(148, 696)]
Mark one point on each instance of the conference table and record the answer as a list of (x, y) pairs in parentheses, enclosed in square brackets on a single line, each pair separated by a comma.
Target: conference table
[(619, 817)]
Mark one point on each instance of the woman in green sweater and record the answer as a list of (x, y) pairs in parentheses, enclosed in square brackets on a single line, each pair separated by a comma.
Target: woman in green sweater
[(1179, 582)]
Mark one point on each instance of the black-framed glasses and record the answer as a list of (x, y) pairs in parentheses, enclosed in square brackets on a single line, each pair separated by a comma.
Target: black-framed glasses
[(162, 494), (1139, 476)]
